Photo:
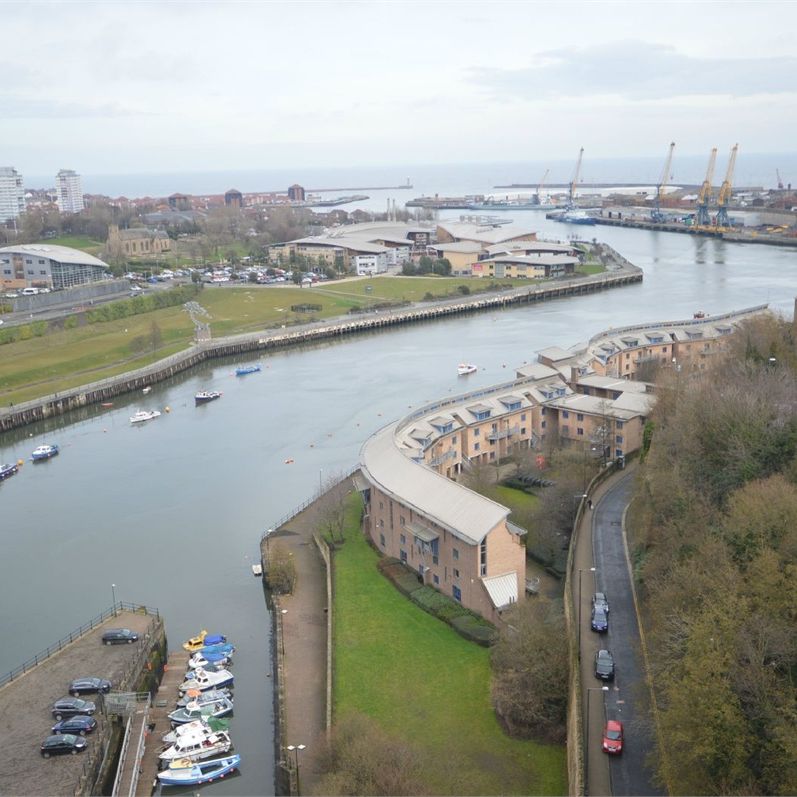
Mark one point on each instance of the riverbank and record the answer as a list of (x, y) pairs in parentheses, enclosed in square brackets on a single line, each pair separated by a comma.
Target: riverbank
[(620, 272)]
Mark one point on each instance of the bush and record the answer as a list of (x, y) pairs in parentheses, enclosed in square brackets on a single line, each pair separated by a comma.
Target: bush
[(475, 629), (405, 580)]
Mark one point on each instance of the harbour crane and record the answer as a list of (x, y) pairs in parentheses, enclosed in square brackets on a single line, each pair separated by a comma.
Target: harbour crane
[(780, 181), (571, 200), (539, 187), (724, 198), (704, 195), (657, 215)]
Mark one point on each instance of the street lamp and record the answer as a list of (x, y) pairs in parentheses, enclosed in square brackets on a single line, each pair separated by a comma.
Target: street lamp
[(282, 631), (295, 749), (113, 596), (580, 571), (268, 534), (586, 736)]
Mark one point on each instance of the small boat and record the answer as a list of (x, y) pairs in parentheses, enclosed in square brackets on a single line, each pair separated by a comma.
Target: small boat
[(247, 369), (204, 659), (204, 698), (44, 452), (184, 772), (144, 415), (197, 746), (207, 725), (204, 396), (146, 390), (224, 648), (466, 368), (106, 404), (699, 314), (201, 710), (202, 679), (7, 470), (203, 639)]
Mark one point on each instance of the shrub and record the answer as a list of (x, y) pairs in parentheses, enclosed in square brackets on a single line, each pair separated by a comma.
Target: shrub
[(475, 629)]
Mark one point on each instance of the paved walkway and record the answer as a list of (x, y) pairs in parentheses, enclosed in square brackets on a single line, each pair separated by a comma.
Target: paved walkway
[(304, 648)]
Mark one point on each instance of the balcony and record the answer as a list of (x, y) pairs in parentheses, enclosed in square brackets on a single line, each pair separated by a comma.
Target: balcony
[(439, 460), (501, 434)]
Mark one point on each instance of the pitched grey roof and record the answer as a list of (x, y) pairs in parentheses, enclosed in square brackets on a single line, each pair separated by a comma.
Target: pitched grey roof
[(61, 254)]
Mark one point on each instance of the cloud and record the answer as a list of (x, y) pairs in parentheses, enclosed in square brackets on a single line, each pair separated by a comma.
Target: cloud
[(28, 108), (638, 71)]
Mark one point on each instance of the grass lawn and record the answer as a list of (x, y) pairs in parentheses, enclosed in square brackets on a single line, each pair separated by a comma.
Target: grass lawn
[(425, 684), (81, 242), (592, 268), (516, 500)]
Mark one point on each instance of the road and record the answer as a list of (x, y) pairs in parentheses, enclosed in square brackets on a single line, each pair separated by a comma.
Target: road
[(627, 698)]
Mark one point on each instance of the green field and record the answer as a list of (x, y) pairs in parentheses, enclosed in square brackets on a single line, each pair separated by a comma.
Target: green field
[(82, 242), (518, 501), (425, 684)]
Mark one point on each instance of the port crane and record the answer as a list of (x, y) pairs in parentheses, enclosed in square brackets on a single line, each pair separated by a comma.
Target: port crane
[(657, 215), (724, 197), (571, 199), (704, 195), (539, 187), (780, 181)]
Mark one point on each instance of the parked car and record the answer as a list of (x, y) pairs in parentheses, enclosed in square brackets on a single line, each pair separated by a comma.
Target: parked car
[(62, 743), (69, 706), (600, 601), (604, 665), (79, 725), (118, 636), (600, 621), (613, 737), (88, 686)]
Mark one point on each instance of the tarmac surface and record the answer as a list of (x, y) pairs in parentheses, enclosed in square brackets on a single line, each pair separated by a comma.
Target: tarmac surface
[(25, 709)]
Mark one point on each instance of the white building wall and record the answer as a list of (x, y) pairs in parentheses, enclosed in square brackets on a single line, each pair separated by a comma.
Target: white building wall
[(12, 194), (70, 193), (370, 264)]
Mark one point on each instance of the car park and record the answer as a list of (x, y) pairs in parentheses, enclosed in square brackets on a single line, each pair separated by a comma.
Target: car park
[(599, 621), (69, 706), (600, 601), (613, 737), (79, 725), (604, 665), (62, 743), (88, 686), (119, 636)]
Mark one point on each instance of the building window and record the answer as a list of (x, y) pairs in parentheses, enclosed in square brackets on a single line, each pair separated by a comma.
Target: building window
[(382, 540), (476, 431), (435, 560), (579, 416), (403, 540), (475, 446), (565, 414), (454, 440), (492, 455), (401, 521), (457, 593), (41, 263), (43, 272), (542, 411), (436, 579), (522, 416), (565, 431), (522, 430), (403, 555), (381, 505), (542, 425), (483, 558), (455, 554), (456, 572), (619, 424), (618, 438), (579, 431)]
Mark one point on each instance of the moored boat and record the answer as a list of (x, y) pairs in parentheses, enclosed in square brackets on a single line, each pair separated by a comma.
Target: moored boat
[(203, 698), (221, 647), (184, 772), (44, 452), (144, 415), (7, 470), (203, 639), (197, 746), (201, 725), (203, 679), (201, 710), (204, 396), (247, 369), (466, 368), (204, 659)]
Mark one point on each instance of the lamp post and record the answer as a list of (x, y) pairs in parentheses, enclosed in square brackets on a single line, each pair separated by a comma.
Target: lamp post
[(113, 597), (580, 571), (282, 630), (295, 749), (586, 736)]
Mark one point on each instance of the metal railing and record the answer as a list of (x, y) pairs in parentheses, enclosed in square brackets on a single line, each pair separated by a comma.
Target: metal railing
[(72, 636)]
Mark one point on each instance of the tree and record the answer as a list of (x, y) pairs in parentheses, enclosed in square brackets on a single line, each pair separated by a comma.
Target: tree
[(280, 569), (332, 509), (529, 664)]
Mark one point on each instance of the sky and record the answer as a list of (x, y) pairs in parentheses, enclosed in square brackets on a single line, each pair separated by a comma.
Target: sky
[(124, 87)]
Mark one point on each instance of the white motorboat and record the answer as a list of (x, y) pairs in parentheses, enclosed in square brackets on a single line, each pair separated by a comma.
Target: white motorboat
[(185, 772), (203, 698), (203, 679), (198, 726), (144, 415), (201, 710), (466, 368), (197, 746), (205, 659)]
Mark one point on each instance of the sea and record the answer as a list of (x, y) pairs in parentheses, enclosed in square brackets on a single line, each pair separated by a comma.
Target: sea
[(381, 183)]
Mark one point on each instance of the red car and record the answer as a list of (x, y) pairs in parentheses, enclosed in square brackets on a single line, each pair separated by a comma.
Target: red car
[(613, 737)]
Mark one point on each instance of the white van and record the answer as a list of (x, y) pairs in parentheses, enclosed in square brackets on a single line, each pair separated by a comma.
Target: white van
[(30, 291)]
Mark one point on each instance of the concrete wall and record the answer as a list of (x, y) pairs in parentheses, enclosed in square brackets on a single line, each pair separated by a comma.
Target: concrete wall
[(71, 296)]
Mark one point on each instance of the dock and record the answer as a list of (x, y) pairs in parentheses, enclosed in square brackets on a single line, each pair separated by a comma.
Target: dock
[(139, 763)]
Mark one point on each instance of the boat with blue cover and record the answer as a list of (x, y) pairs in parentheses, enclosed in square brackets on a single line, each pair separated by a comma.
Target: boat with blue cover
[(44, 452), (247, 369), (7, 470), (184, 772), (225, 648)]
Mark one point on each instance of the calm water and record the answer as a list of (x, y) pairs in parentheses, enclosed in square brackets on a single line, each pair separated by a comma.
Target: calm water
[(171, 512)]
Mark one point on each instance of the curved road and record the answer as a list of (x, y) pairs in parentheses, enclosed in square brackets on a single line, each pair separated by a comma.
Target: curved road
[(627, 698)]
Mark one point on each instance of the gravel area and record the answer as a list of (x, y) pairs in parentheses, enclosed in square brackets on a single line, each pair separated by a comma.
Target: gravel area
[(26, 717)]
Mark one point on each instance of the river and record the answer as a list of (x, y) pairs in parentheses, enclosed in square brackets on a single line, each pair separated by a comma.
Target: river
[(171, 511)]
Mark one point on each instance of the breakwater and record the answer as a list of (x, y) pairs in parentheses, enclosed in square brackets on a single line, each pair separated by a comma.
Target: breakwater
[(621, 273)]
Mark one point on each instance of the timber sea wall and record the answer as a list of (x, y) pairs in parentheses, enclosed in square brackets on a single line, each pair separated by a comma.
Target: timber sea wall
[(620, 273)]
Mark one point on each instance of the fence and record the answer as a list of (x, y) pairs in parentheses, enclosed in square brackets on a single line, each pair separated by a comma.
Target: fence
[(71, 637)]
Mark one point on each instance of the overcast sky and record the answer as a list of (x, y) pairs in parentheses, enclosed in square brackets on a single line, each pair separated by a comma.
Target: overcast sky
[(122, 87)]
